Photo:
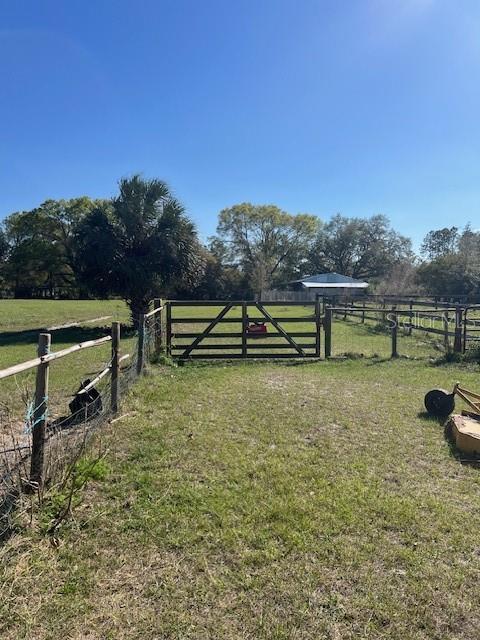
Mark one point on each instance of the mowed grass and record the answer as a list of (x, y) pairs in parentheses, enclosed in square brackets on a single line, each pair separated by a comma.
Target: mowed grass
[(265, 501), (20, 315)]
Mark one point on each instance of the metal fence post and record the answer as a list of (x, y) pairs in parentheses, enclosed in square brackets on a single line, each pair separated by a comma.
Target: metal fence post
[(328, 332), (115, 367), (157, 304), (40, 415), (141, 343)]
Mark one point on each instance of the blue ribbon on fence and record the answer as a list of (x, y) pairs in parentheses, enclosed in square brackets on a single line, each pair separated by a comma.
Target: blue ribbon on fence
[(30, 423)]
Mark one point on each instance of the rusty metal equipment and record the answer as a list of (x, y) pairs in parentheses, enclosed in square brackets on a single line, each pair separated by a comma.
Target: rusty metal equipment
[(441, 403), (256, 328)]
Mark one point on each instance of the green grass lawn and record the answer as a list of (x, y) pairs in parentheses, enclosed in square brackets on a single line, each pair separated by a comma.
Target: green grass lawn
[(265, 501), (20, 315)]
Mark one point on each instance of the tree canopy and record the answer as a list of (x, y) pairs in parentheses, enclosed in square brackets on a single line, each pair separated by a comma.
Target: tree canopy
[(358, 247), (40, 246), (141, 243), (454, 264), (440, 242), (267, 244)]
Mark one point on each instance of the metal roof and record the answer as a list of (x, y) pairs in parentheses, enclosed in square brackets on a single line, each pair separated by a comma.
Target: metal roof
[(331, 280), (335, 285)]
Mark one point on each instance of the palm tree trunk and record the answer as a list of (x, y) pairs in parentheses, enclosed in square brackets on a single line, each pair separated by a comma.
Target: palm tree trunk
[(138, 306)]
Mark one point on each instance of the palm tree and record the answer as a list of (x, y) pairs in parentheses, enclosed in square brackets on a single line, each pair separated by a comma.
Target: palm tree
[(139, 246)]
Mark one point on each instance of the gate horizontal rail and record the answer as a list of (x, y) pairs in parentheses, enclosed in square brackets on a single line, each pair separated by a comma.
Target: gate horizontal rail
[(239, 320)]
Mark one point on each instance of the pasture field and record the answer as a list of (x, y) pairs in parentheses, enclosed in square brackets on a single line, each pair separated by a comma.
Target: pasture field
[(21, 315), (258, 500), (299, 500), (267, 501), (21, 321)]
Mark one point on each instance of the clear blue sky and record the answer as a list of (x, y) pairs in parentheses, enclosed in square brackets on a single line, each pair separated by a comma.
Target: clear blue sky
[(319, 106)]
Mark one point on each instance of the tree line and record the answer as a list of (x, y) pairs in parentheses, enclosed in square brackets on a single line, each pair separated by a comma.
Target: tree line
[(141, 243)]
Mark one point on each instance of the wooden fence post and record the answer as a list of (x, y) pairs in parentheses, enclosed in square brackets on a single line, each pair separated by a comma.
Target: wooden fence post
[(40, 415), (465, 320), (363, 313), (328, 332), (394, 321), (318, 324), (141, 343), (157, 304), (169, 329), (244, 329), (410, 316), (446, 327), (115, 367), (457, 345)]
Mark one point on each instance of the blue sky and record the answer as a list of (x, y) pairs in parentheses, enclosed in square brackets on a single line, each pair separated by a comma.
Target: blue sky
[(319, 106)]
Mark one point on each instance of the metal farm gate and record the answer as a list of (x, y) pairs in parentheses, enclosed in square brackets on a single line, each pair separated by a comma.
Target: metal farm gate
[(195, 329)]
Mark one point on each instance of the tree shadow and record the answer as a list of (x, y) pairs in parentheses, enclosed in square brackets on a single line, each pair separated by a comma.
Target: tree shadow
[(72, 335)]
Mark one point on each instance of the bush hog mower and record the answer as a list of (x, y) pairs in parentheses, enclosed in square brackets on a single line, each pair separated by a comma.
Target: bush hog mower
[(256, 329), (441, 404), (464, 429)]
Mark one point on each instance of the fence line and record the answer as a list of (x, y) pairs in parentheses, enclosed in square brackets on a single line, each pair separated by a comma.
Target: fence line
[(393, 315), (54, 442)]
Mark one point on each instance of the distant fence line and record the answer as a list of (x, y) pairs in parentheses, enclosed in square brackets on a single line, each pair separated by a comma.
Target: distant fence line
[(454, 321), (310, 295)]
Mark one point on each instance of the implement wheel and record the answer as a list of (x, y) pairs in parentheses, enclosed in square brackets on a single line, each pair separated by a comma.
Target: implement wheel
[(440, 403)]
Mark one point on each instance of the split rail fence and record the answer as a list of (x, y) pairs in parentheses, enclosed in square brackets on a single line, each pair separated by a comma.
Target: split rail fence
[(93, 408)]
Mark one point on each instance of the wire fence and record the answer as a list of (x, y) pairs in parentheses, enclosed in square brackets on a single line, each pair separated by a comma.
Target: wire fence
[(38, 448)]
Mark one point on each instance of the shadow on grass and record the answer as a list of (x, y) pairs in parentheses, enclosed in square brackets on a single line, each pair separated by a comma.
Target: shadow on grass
[(68, 335), (223, 362), (427, 417)]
